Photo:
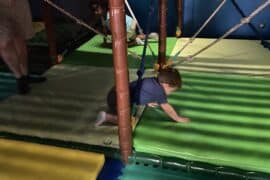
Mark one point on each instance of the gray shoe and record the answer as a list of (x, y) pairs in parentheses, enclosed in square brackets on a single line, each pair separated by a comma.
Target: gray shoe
[(153, 35)]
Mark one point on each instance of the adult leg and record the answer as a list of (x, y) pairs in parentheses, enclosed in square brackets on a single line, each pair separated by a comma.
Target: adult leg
[(21, 50), (11, 58)]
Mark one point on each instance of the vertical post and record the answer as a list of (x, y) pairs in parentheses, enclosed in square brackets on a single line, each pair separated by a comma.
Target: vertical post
[(179, 10), (119, 45), (162, 32), (47, 16)]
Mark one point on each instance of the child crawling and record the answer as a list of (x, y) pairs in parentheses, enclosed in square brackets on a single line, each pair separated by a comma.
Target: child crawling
[(152, 92)]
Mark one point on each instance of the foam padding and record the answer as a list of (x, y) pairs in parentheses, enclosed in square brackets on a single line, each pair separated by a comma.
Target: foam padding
[(142, 171), (21, 160), (111, 170), (232, 56), (230, 122), (64, 107)]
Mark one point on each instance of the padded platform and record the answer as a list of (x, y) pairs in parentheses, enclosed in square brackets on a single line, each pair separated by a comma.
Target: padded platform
[(230, 122), (64, 108), (21, 160), (93, 53), (229, 56)]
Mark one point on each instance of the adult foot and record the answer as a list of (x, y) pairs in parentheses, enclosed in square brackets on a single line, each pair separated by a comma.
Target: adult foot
[(22, 86)]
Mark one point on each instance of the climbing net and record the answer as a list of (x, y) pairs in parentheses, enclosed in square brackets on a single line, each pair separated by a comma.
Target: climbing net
[(190, 58), (82, 23), (242, 22)]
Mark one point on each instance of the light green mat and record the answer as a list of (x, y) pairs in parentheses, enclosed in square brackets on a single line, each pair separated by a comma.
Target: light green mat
[(93, 54), (64, 107), (228, 56), (230, 122)]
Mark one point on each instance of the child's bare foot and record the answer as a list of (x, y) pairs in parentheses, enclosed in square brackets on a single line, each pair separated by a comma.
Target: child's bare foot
[(101, 118)]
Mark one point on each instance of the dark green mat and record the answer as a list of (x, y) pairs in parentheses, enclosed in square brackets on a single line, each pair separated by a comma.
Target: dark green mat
[(230, 122), (93, 53), (146, 172), (8, 85)]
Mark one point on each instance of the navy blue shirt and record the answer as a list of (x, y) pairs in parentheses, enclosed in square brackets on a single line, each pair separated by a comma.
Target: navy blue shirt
[(149, 92)]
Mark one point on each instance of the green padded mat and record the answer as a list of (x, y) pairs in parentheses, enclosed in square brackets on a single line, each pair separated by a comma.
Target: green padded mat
[(64, 107), (230, 122), (93, 53), (231, 56)]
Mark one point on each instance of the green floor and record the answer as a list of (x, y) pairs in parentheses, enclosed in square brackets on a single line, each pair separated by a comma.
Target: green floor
[(93, 54), (230, 113), (230, 56), (229, 122), (230, 118)]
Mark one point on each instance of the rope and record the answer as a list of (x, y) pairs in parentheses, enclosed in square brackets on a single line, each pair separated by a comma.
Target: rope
[(77, 20), (141, 69), (237, 26), (138, 25), (201, 28), (140, 72), (253, 28), (133, 16), (80, 22)]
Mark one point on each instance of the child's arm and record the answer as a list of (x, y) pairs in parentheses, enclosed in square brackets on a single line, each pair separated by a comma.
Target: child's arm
[(169, 110)]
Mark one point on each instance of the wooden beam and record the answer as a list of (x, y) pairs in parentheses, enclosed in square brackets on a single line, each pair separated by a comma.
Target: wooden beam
[(163, 7), (48, 20), (119, 37)]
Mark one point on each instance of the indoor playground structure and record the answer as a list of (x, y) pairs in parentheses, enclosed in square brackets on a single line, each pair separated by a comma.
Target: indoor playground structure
[(51, 133)]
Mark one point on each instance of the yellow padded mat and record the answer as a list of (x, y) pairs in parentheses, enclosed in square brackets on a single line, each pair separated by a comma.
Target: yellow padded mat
[(22, 160)]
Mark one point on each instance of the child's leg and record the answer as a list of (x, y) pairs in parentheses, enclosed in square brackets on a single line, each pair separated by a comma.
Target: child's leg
[(104, 117), (111, 118), (111, 115)]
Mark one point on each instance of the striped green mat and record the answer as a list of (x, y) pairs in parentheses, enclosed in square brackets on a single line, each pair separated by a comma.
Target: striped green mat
[(92, 53), (230, 122), (230, 56)]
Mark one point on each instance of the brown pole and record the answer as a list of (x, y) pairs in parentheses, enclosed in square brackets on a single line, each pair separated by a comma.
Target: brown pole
[(162, 32), (179, 6), (118, 29), (47, 16)]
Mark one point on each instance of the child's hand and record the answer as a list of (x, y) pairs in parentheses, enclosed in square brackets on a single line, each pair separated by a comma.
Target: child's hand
[(152, 104), (182, 119)]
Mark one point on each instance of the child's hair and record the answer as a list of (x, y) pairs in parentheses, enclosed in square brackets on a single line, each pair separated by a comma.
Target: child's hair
[(170, 76)]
